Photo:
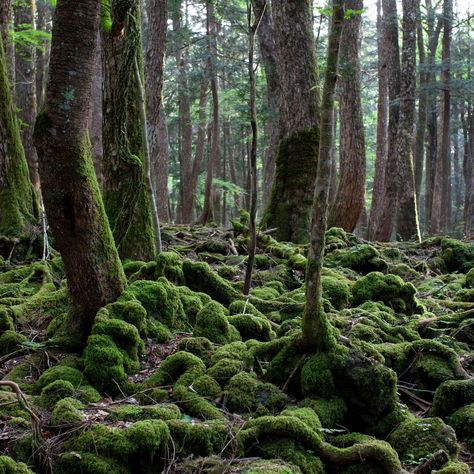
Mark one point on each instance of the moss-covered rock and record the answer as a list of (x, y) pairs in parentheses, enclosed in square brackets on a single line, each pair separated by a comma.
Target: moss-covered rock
[(60, 372), (363, 258), (67, 412), (251, 327), (390, 289), (199, 346), (9, 466), (458, 256), (212, 323), (11, 341), (224, 369), (166, 411), (147, 437), (452, 395), (207, 387), (195, 405), (88, 463), (462, 421), (336, 291), (55, 391), (469, 282), (168, 264), (331, 412)]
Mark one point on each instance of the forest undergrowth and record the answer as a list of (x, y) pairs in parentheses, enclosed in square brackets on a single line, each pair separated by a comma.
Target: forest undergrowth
[(184, 374)]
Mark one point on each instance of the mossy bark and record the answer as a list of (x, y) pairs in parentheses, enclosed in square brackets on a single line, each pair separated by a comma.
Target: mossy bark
[(18, 205), (291, 198), (70, 191), (125, 192)]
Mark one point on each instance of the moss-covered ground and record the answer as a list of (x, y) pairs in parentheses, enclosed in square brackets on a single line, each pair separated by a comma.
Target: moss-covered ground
[(183, 374)]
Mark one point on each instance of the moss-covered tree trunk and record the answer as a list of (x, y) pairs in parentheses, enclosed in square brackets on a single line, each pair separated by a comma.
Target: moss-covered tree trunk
[(125, 192), (70, 191), (18, 205), (289, 207), (317, 333), (350, 197)]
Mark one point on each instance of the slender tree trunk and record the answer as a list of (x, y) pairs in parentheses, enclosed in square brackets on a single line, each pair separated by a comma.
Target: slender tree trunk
[(350, 196), (71, 194), (386, 222), (468, 170), (441, 211), (125, 190), (25, 87), (317, 334), (207, 212), (408, 226), (42, 53), (154, 75), (5, 25), (289, 207), (382, 129)]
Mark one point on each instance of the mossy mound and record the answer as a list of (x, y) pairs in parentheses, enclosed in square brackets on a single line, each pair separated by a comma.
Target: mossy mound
[(457, 256), (67, 411), (363, 258), (212, 323), (9, 466)]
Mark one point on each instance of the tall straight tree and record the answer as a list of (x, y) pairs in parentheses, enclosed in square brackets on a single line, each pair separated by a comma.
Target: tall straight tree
[(157, 131), (289, 207), (18, 204), (386, 220), (349, 200), (441, 211), (125, 192), (407, 223), (25, 87), (70, 191)]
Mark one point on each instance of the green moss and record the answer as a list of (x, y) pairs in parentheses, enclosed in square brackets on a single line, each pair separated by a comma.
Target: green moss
[(306, 414), (336, 291), (417, 439), (10, 405), (6, 322), (9, 466), (462, 421), (363, 258), (192, 302), (227, 271), (331, 411), (470, 278), (465, 295), (245, 394), (10, 341), (179, 368), (206, 386), (270, 466), (168, 264), (452, 395), (244, 307), (224, 369), (390, 289), (199, 346), (67, 411), (88, 463), (251, 327), (60, 372), (54, 392), (148, 437), (454, 468), (265, 293), (403, 271), (316, 377), (212, 323), (167, 411), (195, 405), (458, 256), (200, 277), (129, 311), (233, 351), (198, 438)]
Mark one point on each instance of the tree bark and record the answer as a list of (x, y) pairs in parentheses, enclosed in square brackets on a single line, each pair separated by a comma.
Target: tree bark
[(350, 196), (407, 219), (71, 194), (382, 129), (25, 87), (154, 75), (386, 221), (289, 207), (125, 191), (468, 170), (317, 333), (42, 53)]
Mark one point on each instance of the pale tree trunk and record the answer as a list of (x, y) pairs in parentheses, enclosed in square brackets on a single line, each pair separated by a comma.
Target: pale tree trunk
[(350, 196), (386, 221), (407, 218), (207, 211), (317, 335), (266, 40), (154, 75), (441, 211), (382, 129), (289, 207), (25, 87), (71, 194)]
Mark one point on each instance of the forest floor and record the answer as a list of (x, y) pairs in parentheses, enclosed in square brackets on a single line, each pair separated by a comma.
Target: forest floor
[(184, 374)]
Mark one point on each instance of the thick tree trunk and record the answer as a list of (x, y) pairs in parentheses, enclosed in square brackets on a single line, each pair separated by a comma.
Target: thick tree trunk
[(317, 334), (382, 129), (441, 210), (350, 196), (290, 203), (407, 219), (5, 24), (157, 129), (266, 40), (71, 194), (125, 191), (386, 221), (25, 87)]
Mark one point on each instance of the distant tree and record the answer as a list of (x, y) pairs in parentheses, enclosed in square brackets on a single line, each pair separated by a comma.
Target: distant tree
[(71, 194), (289, 207)]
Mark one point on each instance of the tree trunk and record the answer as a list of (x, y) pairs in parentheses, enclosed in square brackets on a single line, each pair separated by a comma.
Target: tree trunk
[(350, 196), (266, 40), (382, 129), (71, 194), (207, 214), (468, 170), (154, 72), (5, 21), (407, 219), (42, 53), (441, 211), (289, 207), (386, 221), (125, 191), (317, 333), (25, 87)]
